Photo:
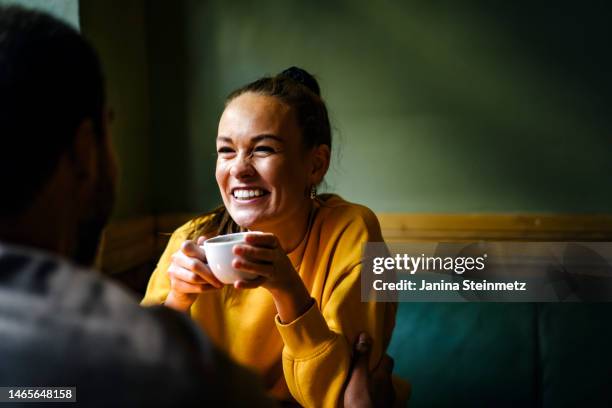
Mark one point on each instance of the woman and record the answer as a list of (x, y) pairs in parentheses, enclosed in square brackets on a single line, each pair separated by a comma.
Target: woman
[(295, 322)]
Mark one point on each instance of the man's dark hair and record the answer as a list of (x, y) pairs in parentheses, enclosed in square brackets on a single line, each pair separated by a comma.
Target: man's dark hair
[(50, 81)]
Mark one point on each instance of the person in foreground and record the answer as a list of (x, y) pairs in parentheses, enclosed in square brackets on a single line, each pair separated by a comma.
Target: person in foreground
[(294, 322), (62, 324)]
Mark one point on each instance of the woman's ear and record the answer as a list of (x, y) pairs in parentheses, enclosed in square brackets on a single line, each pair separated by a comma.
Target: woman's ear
[(320, 163)]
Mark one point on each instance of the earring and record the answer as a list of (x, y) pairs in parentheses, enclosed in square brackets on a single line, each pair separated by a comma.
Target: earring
[(313, 192)]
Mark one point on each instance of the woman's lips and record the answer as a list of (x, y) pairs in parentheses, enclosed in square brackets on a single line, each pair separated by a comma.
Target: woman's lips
[(248, 195), (249, 200)]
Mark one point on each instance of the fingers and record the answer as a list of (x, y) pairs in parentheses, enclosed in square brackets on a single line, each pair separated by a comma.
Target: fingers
[(363, 346), (256, 254), (187, 262), (196, 266), (249, 284), (184, 287), (184, 281), (361, 355), (185, 275), (262, 239), (358, 390), (193, 250), (254, 268), (259, 257)]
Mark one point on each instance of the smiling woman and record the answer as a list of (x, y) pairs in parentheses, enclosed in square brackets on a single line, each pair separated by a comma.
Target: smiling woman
[(294, 320), (264, 169)]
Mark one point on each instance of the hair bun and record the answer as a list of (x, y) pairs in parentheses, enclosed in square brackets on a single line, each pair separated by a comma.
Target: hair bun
[(303, 77)]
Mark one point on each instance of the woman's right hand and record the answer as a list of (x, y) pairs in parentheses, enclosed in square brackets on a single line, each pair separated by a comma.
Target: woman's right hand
[(189, 276)]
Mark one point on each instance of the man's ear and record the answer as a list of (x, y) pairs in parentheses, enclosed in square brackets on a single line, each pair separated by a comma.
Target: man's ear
[(83, 154), (320, 163)]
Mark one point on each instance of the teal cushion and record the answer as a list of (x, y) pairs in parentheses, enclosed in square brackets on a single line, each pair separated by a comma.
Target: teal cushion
[(576, 354), (466, 354)]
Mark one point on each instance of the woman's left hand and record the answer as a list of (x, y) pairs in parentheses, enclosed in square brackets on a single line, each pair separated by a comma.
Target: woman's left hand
[(263, 257)]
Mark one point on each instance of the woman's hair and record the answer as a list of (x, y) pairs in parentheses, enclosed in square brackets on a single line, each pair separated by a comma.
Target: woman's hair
[(300, 91)]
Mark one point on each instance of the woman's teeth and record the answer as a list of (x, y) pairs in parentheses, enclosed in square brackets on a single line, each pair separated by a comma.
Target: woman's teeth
[(247, 194)]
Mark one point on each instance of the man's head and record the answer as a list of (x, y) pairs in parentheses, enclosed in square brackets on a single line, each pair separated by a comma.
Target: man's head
[(53, 127)]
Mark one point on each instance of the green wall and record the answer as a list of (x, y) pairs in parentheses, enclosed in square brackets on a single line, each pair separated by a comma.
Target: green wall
[(437, 107), (67, 10), (117, 30)]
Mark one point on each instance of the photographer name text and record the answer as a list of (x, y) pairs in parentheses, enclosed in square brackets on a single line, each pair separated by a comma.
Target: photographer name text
[(456, 265), (408, 285)]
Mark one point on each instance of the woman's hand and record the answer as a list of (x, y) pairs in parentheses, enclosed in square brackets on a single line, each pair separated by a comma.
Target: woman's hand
[(262, 256), (189, 276)]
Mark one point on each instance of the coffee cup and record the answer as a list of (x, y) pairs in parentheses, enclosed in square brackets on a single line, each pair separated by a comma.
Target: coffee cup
[(219, 255)]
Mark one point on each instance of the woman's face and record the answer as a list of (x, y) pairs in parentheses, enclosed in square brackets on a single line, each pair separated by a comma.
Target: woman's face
[(263, 170)]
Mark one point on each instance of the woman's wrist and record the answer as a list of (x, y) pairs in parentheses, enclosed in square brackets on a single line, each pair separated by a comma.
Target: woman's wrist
[(292, 301)]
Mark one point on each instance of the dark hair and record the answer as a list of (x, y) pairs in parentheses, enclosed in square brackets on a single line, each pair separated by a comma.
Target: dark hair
[(300, 91), (50, 81)]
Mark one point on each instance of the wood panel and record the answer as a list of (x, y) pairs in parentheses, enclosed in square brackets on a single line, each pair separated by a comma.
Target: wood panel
[(127, 244), (492, 227), (133, 242), (165, 225)]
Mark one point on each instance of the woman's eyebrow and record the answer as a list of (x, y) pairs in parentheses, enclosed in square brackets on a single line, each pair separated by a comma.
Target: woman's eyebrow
[(224, 139), (259, 138), (255, 139)]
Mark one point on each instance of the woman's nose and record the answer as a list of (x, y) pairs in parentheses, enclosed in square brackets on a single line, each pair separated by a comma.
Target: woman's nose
[(242, 167)]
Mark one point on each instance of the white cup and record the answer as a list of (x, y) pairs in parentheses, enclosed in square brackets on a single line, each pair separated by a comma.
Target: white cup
[(219, 255)]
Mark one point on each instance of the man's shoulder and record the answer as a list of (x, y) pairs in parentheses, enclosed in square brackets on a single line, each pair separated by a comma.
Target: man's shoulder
[(63, 324), (44, 294)]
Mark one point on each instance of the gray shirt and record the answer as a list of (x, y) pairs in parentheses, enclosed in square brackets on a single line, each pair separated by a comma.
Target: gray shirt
[(61, 325)]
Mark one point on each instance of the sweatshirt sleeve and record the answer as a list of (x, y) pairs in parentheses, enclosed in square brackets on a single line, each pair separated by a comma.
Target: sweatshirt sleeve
[(318, 345), (159, 282)]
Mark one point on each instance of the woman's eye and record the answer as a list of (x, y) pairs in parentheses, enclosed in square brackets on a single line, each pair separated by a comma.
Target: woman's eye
[(264, 149), (222, 150)]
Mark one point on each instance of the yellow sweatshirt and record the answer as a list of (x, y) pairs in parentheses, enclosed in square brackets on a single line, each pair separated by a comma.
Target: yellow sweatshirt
[(310, 357)]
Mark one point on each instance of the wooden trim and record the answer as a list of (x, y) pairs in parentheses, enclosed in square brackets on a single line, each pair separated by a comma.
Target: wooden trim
[(491, 227), (133, 242), (165, 226), (167, 223), (127, 244)]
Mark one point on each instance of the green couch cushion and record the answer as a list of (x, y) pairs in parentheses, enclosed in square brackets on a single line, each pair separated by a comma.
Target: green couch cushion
[(467, 354), (576, 354)]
